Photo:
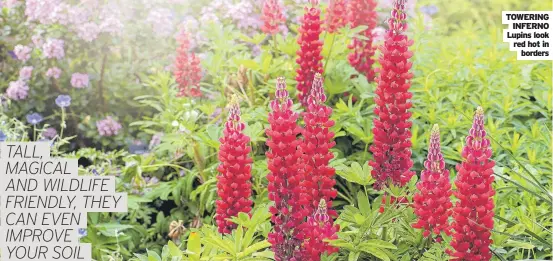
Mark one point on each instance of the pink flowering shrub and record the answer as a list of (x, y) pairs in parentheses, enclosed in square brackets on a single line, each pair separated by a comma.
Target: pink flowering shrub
[(54, 72), (53, 48), (79, 80), (22, 52), (17, 90), (25, 73), (108, 127)]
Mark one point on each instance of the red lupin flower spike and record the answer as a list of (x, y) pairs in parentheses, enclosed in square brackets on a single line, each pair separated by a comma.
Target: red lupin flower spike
[(187, 69), (474, 211), (309, 55), (272, 17), (432, 201), (319, 227), (233, 182), (363, 13), (336, 15), (318, 140), (284, 177), (391, 146)]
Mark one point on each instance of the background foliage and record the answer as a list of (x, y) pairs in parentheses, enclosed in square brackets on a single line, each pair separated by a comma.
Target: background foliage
[(460, 62)]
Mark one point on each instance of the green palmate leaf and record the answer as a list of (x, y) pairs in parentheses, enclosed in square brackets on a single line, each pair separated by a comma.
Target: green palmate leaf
[(356, 173), (364, 205), (342, 244), (255, 248), (353, 256), (153, 256), (519, 244), (174, 250), (375, 252), (194, 246), (378, 244)]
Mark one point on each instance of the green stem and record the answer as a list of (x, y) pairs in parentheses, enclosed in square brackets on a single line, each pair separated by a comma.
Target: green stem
[(329, 52), (101, 83), (275, 46), (62, 124)]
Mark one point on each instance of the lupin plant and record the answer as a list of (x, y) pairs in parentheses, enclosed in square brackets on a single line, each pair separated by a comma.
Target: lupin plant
[(272, 17), (336, 15), (317, 141), (234, 187), (432, 203), (309, 55), (319, 227), (187, 69), (363, 13), (283, 163), (474, 210), (391, 146)]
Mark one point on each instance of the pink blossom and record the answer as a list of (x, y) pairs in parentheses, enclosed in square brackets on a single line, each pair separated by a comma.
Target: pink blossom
[(42, 11), (78, 15), (79, 80), (53, 48), (22, 52), (88, 32), (110, 22), (49, 133), (37, 40), (161, 21), (108, 127), (112, 25), (17, 90), (378, 34), (60, 14), (25, 73), (54, 72), (10, 4)]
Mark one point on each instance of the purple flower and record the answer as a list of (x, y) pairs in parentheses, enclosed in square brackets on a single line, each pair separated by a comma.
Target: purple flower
[(83, 232), (3, 136), (88, 32), (161, 20), (79, 80), (156, 140), (12, 54), (53, 48), (34, 118), (54, 72), (429, 9), (25, 73), (138, 147), (17, 90), (22, 52), (108, 127), (154, 180), (63, 101), (11, 3), (49, 133), (37, 40)]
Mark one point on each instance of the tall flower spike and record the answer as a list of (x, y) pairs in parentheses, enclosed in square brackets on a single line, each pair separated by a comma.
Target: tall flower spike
[(233, 182), (363, 13), (309, 55), (391, 146), (474, 211), (283, 163), (272, 17), (432, 202), (336, 15), (187, 69), (317, 141), (318, 228)]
